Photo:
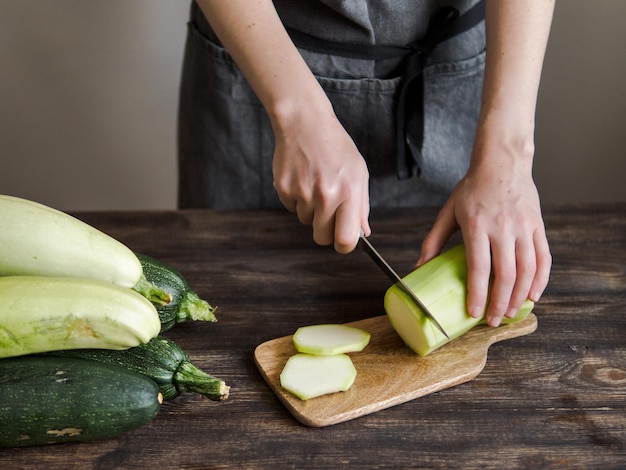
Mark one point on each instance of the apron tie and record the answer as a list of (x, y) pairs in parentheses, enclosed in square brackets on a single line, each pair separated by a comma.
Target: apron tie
[(444, 24)]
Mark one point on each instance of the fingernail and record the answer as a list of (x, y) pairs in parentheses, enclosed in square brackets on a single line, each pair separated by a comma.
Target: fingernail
[(476, 312), (535, 296), (495, 321), (510, 313)]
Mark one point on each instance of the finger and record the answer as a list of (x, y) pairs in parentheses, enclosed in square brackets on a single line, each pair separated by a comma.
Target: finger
[(347, 227), (323, 225), (365, 207), (478, 258), (281, 186), (544, 265), (298, 201), (304, 211), (504, 275), (443, 228), (289, 203), (526, 263)]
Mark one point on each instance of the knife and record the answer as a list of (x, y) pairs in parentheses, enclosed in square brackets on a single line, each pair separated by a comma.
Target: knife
[(391, 274)]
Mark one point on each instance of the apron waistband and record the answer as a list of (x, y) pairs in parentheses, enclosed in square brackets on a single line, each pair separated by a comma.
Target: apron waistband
[(445, 23)]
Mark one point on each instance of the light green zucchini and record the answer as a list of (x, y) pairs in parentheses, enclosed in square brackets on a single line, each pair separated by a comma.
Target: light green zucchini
[(39, 314), (37, 240), (441, 284)]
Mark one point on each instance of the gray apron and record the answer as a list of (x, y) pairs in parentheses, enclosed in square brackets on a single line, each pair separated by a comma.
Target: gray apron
[(225, 140)]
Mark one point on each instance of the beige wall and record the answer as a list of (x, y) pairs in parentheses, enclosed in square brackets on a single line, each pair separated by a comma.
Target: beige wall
[(581, 116), (88, 94), (88, 102)]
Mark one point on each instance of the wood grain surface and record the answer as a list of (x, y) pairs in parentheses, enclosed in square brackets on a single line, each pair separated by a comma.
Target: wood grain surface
[(388, 372), (553, 399)]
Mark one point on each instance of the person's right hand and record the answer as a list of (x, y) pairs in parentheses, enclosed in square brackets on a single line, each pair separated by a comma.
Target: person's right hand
[(318, 171), (320, 175)]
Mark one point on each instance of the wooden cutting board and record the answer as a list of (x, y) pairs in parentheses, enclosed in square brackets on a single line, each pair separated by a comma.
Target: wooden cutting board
[(388, 372)]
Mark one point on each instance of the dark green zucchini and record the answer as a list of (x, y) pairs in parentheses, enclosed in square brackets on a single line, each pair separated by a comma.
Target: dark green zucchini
[(163, 361), (46, 400), (185, 304)]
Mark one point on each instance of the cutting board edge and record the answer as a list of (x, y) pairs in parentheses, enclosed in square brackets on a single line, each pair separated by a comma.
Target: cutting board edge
[(380, 406)]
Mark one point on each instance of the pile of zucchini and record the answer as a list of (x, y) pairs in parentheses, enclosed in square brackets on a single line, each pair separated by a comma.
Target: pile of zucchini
[(82, 317)]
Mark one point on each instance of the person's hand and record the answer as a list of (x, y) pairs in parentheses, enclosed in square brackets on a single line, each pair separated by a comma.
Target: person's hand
[(318, 172), (320, 175), (498, 212)]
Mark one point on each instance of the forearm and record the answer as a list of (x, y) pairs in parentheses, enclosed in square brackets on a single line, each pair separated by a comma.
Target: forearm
[(254, 35), (318, 172), (496, 205), (517, 34)]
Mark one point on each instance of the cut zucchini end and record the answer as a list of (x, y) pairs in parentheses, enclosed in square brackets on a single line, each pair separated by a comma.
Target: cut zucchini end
[(421, 335), (330, 339), (308, 376), (417, 332)]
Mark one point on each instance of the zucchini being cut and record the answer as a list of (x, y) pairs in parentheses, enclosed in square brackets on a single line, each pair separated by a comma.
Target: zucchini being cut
[(441, 284)]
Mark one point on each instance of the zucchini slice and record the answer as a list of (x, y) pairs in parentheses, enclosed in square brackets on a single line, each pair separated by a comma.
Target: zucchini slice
[(308, 376), (329, 339)]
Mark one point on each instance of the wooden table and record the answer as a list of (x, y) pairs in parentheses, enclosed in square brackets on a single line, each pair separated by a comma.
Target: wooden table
[(553, 399)]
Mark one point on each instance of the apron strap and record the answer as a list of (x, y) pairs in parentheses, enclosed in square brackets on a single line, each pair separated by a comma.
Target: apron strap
[(444, 24)]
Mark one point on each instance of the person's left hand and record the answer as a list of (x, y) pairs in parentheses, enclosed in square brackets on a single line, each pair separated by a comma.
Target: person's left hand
[(499, 215)]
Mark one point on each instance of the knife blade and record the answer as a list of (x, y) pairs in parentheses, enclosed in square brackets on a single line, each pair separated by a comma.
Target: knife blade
[(396, 279)]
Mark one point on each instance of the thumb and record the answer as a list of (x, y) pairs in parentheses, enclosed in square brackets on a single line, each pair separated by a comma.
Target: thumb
[(443, 228), (365, 207)]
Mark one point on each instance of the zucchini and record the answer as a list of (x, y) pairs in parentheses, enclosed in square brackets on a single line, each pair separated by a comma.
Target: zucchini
[(330, 339), (47, 400), (321, 365), (40, 314), (38, 240), (163, 361), (185, 304), (308, 376), (441, 284)]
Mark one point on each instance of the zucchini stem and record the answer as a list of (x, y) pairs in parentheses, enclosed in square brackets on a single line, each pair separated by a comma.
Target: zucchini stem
[(188, 378), (152, 292), (192, 307)]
